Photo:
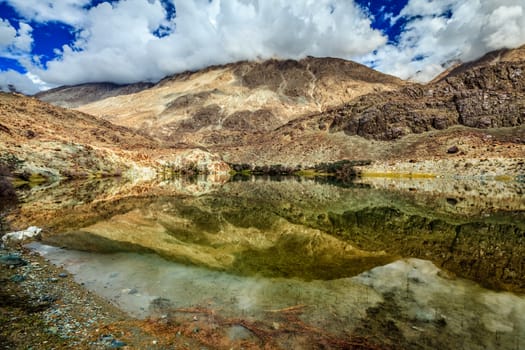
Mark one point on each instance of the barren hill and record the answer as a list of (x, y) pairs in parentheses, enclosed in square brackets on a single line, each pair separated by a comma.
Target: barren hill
[(323, 110), (479, 109), (238, 97), (43, 141), (77, 95)]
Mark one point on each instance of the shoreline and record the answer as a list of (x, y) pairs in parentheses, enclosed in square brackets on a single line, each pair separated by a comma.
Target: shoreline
[(43, 307), (49, 310)]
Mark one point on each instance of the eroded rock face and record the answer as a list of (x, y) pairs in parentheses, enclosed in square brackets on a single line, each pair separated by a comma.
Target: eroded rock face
[(259, 120), (484, 97)]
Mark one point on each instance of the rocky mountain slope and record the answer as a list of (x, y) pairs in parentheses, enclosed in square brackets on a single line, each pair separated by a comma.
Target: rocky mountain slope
[(233, 99), (479, 110), (77, 95), (40, 141), (323, 110)]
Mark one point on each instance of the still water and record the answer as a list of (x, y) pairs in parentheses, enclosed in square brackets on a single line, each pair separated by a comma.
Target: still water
[(402, 263)]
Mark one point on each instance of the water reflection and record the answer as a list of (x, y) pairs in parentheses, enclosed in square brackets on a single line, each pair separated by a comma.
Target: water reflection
[(289, 228), (347, 252), (408, 304)]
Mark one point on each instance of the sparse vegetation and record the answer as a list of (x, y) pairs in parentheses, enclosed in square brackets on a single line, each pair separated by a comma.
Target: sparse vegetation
[(189, 169), (343, 169)]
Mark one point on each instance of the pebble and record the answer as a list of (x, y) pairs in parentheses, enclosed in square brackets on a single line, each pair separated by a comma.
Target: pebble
[(62, 275), (12, 260), (115, 344), (18, 278), (48, 298), (453, 150)]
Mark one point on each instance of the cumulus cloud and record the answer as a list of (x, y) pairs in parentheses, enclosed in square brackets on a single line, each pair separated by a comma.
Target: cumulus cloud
[(14, 42), (7, 33), (120, 42), (11, 80), (438, 33), (132, 40), (67, 11)]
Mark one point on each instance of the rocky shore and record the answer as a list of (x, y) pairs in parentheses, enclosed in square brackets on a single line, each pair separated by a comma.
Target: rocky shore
[(42, 307)]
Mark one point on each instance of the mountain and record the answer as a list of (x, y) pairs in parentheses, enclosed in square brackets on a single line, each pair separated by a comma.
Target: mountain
[(477, 108), (235, 98), (40, 141), (74, 96), (325, 110), (491, 58)]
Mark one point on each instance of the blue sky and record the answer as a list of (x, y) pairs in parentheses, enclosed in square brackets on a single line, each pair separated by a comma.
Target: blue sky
[(46, 43)]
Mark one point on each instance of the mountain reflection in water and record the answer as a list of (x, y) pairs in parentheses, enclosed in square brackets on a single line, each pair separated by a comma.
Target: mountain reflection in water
[(353, 251)]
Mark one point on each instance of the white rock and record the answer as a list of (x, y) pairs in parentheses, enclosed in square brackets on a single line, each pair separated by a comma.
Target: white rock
[(30, 232)]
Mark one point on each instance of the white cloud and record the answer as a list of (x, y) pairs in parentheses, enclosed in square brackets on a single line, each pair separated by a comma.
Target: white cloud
[(506, 26), (66, 11), (7, 34), (24, 83), (431, 39), (117, 42), (23, 41), (12, 41)]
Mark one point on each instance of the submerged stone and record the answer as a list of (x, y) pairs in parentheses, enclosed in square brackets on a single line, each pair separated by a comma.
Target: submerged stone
[(12, 260)]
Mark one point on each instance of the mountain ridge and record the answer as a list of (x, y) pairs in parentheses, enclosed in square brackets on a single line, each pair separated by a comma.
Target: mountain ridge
[(242, 96), (71, 96), (300, 113)]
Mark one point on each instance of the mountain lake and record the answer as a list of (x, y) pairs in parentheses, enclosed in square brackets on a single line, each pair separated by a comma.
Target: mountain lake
[(297, 262)]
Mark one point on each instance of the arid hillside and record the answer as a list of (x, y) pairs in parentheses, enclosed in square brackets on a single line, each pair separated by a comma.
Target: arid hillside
[(77, 95), (245, 97), (324, 110), (476, 113), (40, 141)]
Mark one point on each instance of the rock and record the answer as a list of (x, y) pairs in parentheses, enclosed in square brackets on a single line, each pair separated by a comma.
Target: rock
[(453, 150), (12, 260), (108, 338), (452, 201), (236, 333), (62, 275), (160, 307), (30, 232), (18, 278), (116, 344), (30, 134), (48, 298)]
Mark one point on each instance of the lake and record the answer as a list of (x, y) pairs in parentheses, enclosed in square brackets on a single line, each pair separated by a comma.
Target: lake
[(299, 262)]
